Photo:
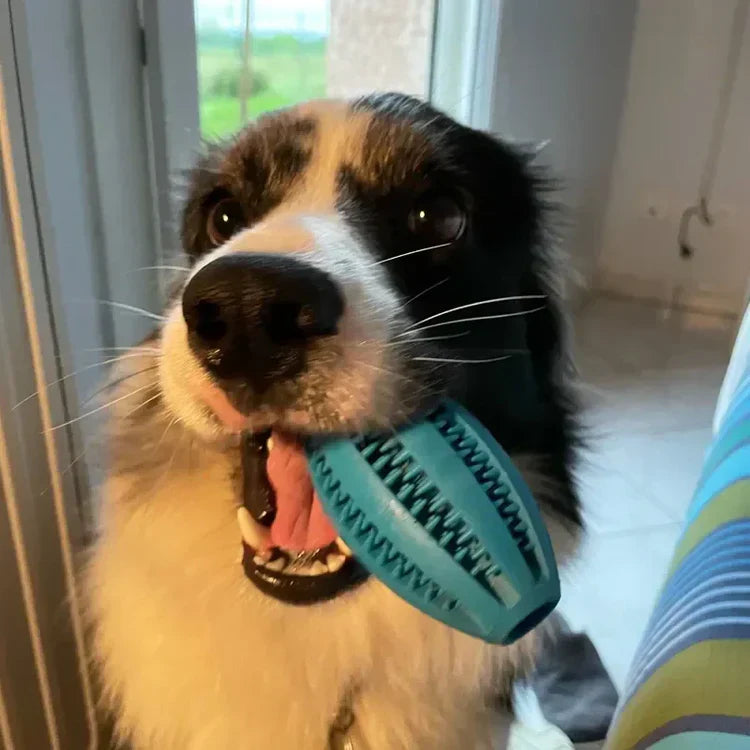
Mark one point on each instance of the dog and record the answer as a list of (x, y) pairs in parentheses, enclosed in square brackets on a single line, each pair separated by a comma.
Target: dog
[(349, 265)]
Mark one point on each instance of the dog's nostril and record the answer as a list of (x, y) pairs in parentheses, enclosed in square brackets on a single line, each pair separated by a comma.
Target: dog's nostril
[(295, 321), (281, 321), (209, 323)]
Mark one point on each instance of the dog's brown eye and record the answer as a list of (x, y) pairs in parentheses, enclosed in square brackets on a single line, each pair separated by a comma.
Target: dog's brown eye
[(437, 218), (226, 219)]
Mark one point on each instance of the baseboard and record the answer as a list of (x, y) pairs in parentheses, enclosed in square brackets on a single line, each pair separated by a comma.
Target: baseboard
[(710, 301)]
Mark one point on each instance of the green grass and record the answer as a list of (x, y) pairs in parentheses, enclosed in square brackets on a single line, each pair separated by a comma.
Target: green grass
[(294, 68)]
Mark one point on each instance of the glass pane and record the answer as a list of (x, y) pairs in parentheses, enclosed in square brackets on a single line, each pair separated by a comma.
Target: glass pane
[(258, 55)]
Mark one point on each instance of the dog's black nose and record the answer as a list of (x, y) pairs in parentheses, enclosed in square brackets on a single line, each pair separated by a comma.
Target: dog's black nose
[(252, 315)]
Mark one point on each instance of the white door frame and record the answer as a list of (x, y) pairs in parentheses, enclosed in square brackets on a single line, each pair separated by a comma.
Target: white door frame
[(76, 221)]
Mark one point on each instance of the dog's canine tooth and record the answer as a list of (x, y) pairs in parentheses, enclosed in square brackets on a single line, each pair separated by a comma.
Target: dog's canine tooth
[(278, 564), (335, 562), (318, 568), (344, 547), (253, 533), (269, 444)]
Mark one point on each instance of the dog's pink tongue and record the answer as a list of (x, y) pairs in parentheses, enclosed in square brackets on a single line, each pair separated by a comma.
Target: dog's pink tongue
[(300, 522)]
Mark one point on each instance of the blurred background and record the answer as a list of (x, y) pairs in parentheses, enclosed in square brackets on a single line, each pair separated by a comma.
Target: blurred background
[(641, 107)]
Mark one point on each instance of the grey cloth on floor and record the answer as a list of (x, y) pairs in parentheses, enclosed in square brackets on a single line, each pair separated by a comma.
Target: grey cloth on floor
[(572, 686)]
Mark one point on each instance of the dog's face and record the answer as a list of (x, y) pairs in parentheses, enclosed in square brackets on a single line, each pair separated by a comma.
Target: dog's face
[(351, 264)]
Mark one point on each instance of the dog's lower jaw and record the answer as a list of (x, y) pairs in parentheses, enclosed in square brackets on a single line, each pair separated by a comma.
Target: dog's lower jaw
[(192, 656)]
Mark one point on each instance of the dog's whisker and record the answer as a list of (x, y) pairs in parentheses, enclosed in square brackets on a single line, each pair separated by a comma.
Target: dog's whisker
[(131, 308), (406, 342), (411, 252), (74, 374), (424, 291), (434, 338), (469, 320), (162, 268), (171, 424), (142, 404), (516, 298), (86, 448), (135, 348), (462, 361), (419, 388), (102, 407), (386, 371), (410, 342), (117, 382), (88, 443), (488, 350)]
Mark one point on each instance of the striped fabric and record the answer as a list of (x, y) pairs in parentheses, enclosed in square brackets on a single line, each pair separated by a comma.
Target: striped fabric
[(689, 685)]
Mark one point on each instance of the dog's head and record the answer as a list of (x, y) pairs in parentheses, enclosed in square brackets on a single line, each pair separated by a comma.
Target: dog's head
[(351, 264)]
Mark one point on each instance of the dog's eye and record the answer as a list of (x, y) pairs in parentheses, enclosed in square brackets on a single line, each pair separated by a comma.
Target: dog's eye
[(226, 219), (437, 218)]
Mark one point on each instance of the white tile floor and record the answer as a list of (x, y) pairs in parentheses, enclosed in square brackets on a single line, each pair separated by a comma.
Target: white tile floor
[(652, 376)]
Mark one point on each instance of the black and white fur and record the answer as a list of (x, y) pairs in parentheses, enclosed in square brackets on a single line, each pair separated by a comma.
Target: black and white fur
[(191, 656)]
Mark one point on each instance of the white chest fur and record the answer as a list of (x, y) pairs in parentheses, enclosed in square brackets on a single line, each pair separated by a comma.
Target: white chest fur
[(193, 657)]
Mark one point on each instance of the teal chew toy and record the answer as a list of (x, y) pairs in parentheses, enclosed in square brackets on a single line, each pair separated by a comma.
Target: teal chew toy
[(439, 514)]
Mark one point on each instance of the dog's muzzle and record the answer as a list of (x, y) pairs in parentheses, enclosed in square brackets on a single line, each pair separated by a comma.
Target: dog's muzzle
[(251, 319)]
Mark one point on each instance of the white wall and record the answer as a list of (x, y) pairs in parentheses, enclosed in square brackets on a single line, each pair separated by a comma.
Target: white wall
[(562, 75), (378, 45), (679, 54)]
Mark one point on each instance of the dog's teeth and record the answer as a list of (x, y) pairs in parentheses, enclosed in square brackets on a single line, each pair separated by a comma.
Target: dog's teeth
[(344, 547), (278, 564), (334, 562), (318, 568), (258, 560), (269, 444), (253, 533)]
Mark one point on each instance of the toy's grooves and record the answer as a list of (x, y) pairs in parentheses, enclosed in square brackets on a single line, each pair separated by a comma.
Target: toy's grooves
[(438, 512), (488, 476), (380, 454)]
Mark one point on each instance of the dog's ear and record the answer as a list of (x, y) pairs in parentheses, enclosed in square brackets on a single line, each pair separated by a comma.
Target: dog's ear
[(509, 194)]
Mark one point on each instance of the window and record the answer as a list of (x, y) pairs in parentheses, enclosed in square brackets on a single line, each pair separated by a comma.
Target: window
[(258, 55), (95, 129)]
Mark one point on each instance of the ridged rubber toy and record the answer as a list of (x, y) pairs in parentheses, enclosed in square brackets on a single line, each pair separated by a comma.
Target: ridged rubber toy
[(439, 513)]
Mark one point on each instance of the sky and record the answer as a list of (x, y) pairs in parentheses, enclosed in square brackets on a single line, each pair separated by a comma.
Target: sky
[(266, 15)]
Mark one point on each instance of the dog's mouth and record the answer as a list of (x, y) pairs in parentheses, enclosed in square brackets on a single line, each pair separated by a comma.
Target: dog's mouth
[(291, 551)]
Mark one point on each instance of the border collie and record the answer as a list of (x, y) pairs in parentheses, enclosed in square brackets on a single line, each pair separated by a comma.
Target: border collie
[(348, 265)]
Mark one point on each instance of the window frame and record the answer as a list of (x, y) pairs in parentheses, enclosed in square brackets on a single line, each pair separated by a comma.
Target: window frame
[(465, 59)]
